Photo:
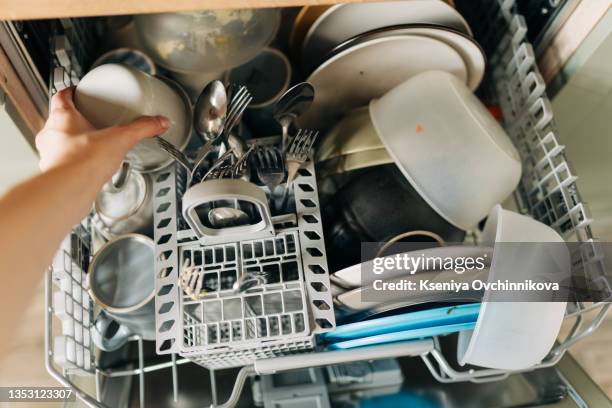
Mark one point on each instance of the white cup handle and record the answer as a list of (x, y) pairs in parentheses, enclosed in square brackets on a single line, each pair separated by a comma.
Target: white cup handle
[(99, 333)]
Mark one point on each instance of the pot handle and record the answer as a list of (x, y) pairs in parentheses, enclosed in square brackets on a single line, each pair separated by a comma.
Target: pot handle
[(100, 333)]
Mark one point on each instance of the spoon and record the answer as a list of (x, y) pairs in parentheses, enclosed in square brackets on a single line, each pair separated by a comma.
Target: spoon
[(223, 217), (210, 110), (291, 105)]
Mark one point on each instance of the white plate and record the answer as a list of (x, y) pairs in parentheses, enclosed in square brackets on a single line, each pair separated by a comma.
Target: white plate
[(351, 277), (344, 21), (368, 70), (471, 52)]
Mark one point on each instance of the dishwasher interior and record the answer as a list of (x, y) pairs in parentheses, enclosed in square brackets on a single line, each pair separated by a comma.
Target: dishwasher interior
[(190, 364)]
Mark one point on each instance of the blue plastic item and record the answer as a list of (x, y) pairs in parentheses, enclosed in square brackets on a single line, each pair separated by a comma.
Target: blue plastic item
[(431, 318), (402, 336)]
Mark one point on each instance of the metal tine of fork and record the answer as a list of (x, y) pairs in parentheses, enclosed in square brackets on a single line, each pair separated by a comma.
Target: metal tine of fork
[(235, 102), (308, 141), (297, 141), (298, 151), (232, 120), (232, 89), (174, 152), (279, 160), (169, 147), (242, 162), (239, 111), (240, 96), (219, 163), (226, 171), (271, 157)]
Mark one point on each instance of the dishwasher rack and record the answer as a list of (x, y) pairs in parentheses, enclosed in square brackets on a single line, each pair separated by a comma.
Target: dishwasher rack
[(226, 330), (547, 191)]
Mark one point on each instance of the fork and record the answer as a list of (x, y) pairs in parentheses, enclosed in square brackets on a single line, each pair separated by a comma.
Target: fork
[(250, 280), (219, 165), (191, 280), (298, 151), (270, 166), (239, 101), (174, 152), (243, 162), (243, 97)]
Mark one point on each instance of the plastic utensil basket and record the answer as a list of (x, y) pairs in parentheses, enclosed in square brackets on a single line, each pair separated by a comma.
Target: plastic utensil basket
[(227, 329)]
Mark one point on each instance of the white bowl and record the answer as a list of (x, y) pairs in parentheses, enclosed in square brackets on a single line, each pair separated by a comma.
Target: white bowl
[(115, 94), (517, 335), (448, 146)]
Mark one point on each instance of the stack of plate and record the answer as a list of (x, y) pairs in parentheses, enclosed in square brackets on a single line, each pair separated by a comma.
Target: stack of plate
[(350, 64)]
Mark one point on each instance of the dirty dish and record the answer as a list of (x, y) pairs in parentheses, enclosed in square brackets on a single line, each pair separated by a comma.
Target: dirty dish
[(518, 334), (448, 146), (208, 41), (353, 161), (302, 23), (370, 69), (339, 23), (375, 206), (121, 281), (355, 133), (127, 56), (471, 52), (115, 94), (266, 76)]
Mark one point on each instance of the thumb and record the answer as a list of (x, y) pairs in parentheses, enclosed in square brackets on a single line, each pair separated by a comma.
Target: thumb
[(62, 99), (141, 128)]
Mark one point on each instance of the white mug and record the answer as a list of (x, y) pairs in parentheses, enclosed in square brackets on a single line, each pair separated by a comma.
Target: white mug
[(115, 94)]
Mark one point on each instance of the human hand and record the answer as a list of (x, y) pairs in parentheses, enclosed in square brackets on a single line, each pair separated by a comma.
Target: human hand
[(68, 137)]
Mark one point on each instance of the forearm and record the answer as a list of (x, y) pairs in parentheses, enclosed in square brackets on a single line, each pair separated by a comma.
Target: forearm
[(34, 218)]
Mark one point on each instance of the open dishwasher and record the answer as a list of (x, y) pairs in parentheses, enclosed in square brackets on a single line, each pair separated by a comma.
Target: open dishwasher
[(198, 359)]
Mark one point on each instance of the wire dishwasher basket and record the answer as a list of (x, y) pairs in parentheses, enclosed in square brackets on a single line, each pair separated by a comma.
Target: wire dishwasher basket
[(547, 191)]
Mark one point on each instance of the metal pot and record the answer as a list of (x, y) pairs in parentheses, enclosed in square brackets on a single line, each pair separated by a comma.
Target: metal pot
[(209, 41), (125, 206), (121, 280)]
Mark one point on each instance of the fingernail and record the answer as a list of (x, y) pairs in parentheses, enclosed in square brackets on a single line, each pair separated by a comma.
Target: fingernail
[(164, 122)]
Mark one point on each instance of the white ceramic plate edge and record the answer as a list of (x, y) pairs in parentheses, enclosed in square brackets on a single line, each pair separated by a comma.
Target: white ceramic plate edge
[(315, 26), (302, 121)]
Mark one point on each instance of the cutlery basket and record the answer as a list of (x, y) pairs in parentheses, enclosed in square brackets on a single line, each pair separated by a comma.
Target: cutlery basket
[(227, 329), (204, 332)]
